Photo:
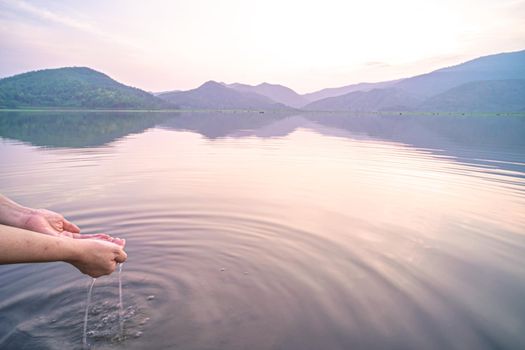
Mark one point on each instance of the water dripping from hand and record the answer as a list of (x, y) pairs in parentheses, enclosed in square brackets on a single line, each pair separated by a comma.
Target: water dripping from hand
[(84, 335)]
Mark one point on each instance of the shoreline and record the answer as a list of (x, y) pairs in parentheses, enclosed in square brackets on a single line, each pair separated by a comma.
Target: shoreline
[(386, 113)]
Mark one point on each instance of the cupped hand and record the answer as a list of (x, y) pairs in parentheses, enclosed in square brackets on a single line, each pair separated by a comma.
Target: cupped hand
[(97, 258), (51, 223)]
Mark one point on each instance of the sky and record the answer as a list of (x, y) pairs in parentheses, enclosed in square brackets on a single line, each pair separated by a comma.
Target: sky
[(306, 45)]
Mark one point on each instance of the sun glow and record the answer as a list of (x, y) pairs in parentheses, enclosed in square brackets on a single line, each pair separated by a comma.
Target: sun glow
[(306, 45)]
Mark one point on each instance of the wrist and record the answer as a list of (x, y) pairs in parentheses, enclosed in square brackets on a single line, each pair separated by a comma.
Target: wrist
[(13, 214), (72, 249)]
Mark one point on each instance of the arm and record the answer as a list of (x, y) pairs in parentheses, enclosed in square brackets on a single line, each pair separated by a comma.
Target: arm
[(12, 213), (92, 257), (38, 220), (43, 221)]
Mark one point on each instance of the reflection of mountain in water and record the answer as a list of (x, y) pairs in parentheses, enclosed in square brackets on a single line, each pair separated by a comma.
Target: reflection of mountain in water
[(474, 139), (431, 131), (451, 135), (75, 129), (216, 124), (487, 141)]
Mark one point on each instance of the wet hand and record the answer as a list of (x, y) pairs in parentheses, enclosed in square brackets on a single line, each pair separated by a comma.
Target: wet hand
[(97, 258), (51, 223)]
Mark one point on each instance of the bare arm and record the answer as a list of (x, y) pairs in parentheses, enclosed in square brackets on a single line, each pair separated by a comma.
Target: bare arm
[(12, 213), (90, 256), (43, 221)]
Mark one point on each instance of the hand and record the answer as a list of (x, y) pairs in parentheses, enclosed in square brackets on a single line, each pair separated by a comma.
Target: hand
[(97, 258), (51, 223)]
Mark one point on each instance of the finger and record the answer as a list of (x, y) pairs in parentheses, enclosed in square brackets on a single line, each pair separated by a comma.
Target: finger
[(120, 241), (121, 256), (99, 236), (71, 227)]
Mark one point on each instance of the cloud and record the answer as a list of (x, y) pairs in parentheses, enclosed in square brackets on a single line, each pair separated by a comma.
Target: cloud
[(69, 22)]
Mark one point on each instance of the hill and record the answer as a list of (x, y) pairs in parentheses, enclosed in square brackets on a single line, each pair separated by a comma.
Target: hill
[(486, 84), (343, 90), (275, 92), (480, 96), (501, 66), (213, 95), (389, 99), (72, 87)]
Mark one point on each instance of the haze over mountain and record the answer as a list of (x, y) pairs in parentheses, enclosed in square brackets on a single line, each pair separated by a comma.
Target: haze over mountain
[(387, 99), (500, 66), (487, 84), (213, 95), (338, 91), (459, 88), (72, 87), (278, 93), (480, 96)]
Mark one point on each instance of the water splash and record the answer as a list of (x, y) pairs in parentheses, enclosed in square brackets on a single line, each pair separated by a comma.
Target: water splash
[(84, 335), (120, 305)]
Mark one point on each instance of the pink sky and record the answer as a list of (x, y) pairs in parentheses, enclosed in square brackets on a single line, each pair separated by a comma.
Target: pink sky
[(306, 45)]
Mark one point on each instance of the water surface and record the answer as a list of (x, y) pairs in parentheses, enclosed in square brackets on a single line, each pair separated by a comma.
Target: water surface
[(262, 231)]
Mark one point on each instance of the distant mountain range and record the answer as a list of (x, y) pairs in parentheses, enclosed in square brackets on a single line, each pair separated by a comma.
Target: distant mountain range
[(492, 83), (333, 92), (375, 100), (480, 96), (277, 93), (213, 95)]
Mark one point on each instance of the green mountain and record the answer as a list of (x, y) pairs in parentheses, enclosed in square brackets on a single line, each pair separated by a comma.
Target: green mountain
[(480, 96), (213, 95), (72, 87)]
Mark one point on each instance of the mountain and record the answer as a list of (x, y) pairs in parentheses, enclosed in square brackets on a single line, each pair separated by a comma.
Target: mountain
[(277, 93), (486, 84), (213, 95), (343, 90), (72, 87), (480, 96), (501, 66), (389, 99)]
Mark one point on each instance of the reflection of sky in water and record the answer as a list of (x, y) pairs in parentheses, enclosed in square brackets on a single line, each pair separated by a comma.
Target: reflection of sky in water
[(328, 235)]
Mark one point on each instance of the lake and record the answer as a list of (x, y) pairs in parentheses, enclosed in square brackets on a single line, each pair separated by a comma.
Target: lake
[(274, 231)]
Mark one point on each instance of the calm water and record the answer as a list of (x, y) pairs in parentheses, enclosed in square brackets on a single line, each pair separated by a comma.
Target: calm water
[(257, 231)]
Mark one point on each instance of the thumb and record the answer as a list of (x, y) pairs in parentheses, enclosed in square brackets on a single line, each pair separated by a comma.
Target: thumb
[(121, 256)]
